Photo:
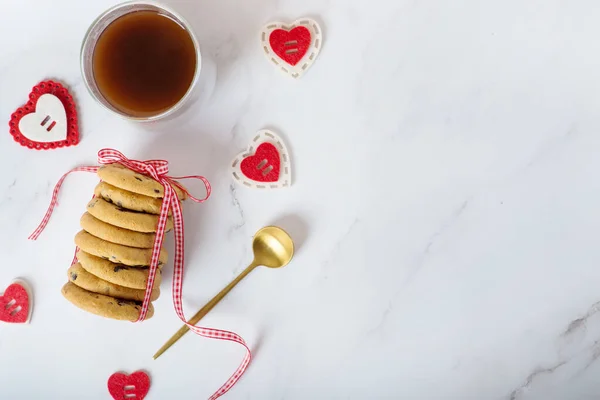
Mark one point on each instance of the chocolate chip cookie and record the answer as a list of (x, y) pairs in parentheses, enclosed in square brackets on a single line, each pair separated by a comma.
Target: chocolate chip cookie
[(117, 253), (132, 220), (114, 234), (124, 178), (79, 276), (119, 274), (105, 306), (128, 200)]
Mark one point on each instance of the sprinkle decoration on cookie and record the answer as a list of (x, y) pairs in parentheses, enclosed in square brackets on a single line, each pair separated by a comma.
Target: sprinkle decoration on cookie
[(48, 120), (15, 303), (292, 48), (158, 171), (124, 387), (265, 164)]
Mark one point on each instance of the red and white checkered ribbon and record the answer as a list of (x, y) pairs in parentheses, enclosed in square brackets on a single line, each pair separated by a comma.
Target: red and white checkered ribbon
[(158, 169)]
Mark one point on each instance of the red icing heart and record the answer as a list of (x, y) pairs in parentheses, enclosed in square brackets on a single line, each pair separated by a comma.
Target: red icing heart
[(264, 165), (292, 45), (14, 297), (63, 95), (129, 387)]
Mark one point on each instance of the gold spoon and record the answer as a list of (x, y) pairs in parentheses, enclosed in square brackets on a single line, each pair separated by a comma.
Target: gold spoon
[(272, 248)]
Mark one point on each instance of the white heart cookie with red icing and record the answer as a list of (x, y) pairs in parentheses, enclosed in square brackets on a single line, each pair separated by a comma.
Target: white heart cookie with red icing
[(292, 48), (265, 164)]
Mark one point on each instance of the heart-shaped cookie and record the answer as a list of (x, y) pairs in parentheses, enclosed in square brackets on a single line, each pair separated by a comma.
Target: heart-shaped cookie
[(129, 387), (265, 164), (48, 120), (15, 304), (292, 48)]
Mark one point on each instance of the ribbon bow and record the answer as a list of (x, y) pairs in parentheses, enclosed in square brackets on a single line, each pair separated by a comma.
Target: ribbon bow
[(158, 170)]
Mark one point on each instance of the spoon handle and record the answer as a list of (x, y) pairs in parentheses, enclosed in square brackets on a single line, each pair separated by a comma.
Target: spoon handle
[(204, 310)]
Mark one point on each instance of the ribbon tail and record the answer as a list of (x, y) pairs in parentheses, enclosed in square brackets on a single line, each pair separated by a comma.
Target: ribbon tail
[(54, 201), (177, 303), (233, 379), (173, 180)]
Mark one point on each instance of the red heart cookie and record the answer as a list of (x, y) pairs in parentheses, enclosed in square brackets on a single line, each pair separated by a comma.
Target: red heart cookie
[(14, 304), (292, 48), (265, 165), (129, 387), (292, 45), (69, 131)]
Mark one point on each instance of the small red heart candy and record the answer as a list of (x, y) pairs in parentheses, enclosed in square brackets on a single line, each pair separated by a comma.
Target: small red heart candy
[(292, 45), (264, 165), (129, 387), (14, 304)]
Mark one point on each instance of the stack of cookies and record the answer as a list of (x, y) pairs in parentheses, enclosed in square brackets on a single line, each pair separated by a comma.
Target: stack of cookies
[(115, 245)]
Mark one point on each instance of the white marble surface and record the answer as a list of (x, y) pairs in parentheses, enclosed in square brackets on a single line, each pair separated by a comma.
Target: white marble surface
[(445, 206)]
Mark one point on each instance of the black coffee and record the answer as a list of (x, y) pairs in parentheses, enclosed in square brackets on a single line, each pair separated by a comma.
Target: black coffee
[(144, 63)]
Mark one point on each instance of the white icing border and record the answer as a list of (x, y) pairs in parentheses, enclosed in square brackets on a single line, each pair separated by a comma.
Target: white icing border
[(309, 58), (285, 171)]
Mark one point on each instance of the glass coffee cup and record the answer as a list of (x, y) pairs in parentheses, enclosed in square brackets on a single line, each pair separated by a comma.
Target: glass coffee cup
[(142, 61)]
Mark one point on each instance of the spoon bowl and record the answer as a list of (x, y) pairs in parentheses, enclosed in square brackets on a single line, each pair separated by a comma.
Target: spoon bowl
[(272, 247)]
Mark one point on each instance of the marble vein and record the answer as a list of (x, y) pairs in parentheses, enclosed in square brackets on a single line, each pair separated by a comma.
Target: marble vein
[(595, 354), (586, 355), (580, 322), (538, 372), (551, 145), (238, 208), (338, 243), (444, 227)]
